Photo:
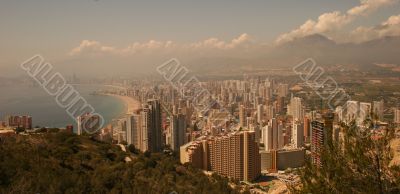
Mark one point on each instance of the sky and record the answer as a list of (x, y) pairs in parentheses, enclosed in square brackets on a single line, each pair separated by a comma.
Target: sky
[(64, 31)]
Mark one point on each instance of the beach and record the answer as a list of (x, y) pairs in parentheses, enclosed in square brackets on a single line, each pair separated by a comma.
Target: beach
[(131, 104)]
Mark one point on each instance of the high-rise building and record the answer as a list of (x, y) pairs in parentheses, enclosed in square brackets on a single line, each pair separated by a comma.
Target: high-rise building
[(235, 155), (133, 129), (307, 126), (282, 159), (260, 113), (378, 109), (352, 108), (321, 136), (295, 108), (26, 122), (297, 134), (242, 116), (365, 111), (155, 134), (178, 130), (339, 113), (280, 103), (196, 153), (257, 131), (283, 90), (274, 127), (281, 140), (269, 112), (317, 141), (267, 137), (145, 129), (272, 135), (396, 118), (249, 122), (19, 121)]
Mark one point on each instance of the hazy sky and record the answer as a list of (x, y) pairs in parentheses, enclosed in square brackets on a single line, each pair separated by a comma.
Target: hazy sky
[(54, 28)]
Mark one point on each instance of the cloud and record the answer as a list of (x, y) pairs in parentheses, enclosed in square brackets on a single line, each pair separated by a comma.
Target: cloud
[(331, 22), (210, 43), (368, 6), (88, 47), (390, 27), (151, 45)]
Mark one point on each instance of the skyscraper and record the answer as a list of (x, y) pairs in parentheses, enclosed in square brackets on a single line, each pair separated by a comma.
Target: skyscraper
[(242, 116), (297, 134), (274, 127), (155, 130), (145, 129), (283, 90), (339, 112), (295, 108), (26, 122), (269, 112), (396, 118), (19, 121), (365, 111), (133, 129), (178, 130), (281, 140), (260, 113), (267, 137), (352, 108), (378, 109), (234, 155), (321, 136), (317, 141), (307, 125), (280, 103)]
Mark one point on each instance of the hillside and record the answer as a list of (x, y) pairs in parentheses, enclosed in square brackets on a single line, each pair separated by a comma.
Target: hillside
[(66, 163)]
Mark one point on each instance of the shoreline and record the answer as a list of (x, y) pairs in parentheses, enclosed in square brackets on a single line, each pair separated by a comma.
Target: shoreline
[(131, 105)]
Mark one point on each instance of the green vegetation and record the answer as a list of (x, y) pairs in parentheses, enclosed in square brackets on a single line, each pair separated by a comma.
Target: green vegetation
[(359, 163), (66, 163)]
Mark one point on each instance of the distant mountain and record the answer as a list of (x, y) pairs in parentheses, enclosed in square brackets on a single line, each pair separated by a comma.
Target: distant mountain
[(324, 50)]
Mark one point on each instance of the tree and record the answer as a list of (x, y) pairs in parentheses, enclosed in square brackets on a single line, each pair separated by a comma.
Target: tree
[(132, 149), (67, 163), (19, 130), (357, 163)]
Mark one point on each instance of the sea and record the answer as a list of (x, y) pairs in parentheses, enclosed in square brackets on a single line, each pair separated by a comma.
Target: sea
[(35, 102)]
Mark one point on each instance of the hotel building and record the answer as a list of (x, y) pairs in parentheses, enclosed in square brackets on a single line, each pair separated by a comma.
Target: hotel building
[(234, 155)]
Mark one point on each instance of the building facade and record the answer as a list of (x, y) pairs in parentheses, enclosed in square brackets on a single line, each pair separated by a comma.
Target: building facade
[(235, 155)]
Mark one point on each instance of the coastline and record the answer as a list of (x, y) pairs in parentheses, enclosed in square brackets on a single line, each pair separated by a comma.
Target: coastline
[(131, 104)]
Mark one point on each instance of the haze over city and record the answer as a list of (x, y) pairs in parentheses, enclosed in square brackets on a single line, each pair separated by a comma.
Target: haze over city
[(130, 37), (101, 96)]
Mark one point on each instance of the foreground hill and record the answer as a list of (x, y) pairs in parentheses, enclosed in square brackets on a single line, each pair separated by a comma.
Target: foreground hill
[(66, 163)]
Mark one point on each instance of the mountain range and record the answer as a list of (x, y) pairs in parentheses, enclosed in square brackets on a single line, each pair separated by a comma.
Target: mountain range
[(323, 50)]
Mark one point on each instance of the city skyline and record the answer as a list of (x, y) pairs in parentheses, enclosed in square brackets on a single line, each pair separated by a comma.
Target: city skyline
[(101, 96)]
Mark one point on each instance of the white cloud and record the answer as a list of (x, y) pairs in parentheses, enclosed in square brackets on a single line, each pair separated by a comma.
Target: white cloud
[(151, 45), (368, 6), (95, 48), (390, 27), (211, 43), (87, 46), (329, 23)]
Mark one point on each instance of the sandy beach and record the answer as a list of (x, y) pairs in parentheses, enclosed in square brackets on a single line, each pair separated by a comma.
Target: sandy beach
[(131, 105)]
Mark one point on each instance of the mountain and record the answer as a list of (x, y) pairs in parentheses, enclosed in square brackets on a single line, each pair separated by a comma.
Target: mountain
[(323, 50), (326, 51)]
